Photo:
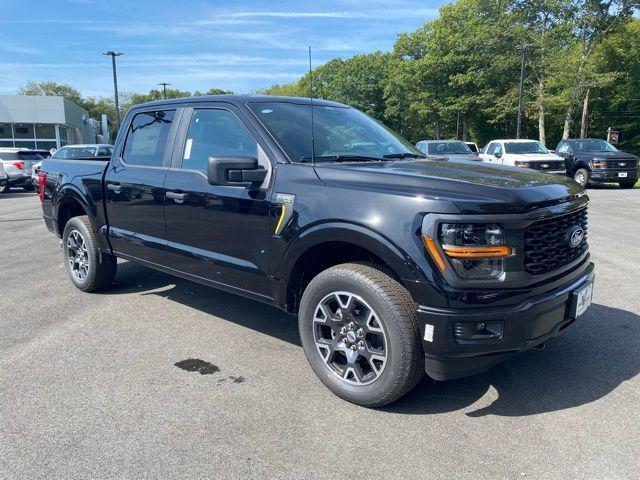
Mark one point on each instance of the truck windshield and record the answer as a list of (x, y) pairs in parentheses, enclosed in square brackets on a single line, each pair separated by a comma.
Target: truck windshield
[(524, 147), (339, 132), (439, 148), (595, 146)]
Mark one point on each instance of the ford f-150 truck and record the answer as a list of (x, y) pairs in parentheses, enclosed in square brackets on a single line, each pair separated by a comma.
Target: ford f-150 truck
[(395, 264), (594, 160)]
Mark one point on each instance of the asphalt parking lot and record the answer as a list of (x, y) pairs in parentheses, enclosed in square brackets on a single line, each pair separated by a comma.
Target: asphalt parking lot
[(89, 387)]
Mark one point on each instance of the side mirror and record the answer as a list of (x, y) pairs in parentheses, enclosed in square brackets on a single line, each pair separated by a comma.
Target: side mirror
[(235, 171), (498, 154)]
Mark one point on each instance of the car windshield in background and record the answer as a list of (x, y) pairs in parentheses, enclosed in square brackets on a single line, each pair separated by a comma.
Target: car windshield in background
[(594, 146), (75, 152), (524, 147), (339, 132), (448, 148)]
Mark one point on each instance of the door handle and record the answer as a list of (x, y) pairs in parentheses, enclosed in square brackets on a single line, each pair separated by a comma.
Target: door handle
[(176, 197), (114, 187)]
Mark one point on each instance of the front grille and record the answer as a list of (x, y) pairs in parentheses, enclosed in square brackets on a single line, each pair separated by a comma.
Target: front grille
[(546, 242), (547, 165), (621, 164)]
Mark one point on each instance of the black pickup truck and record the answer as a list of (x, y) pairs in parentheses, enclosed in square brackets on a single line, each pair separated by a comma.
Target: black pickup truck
[(595, 160), (395, 264)]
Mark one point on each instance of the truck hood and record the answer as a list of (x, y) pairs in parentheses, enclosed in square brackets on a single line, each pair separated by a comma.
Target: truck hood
[(532, 157), (455, 156), (473, 187), (606, 155)]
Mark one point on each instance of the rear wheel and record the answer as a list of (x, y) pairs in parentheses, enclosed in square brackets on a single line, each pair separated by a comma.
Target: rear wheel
[(359, 332), (5, 188), (627, 183), (89, 269), (581, 176)]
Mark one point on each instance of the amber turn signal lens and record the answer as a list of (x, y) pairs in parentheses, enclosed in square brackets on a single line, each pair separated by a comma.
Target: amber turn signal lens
[(488, 251), (433, 251)]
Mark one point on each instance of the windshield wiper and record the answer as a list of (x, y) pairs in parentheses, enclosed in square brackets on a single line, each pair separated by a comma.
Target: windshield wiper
[(342, 158), (404, 155)]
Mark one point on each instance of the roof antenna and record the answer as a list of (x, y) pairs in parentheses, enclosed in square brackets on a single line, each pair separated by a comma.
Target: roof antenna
[(313, 140)]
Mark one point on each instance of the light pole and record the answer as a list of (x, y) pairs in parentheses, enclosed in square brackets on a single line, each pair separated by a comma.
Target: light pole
[(113, 56), (523, 54), (164, 89)]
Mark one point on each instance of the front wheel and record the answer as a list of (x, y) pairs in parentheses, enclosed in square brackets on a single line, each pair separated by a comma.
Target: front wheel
[(581, 176), (359, 332), (89, 269)]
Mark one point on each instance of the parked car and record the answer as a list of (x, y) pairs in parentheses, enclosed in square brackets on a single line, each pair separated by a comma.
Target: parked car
[(446, 149), (523, 154), (18, 163), (4, 178), (97, 150), (35, 173), (394, 264), (473, 147), (596, 160)]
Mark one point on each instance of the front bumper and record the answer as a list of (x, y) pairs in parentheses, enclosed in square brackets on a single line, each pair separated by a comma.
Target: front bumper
[(526, 325), (612, 175)]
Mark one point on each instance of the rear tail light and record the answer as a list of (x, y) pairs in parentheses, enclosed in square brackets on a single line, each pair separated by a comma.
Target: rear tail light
[(42, 183), (19, 165)]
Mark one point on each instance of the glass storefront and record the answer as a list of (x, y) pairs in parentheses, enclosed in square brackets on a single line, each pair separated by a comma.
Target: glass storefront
[(30, 135)]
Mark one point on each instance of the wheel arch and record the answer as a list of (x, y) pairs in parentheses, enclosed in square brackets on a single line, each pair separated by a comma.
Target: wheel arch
[(332, 244)]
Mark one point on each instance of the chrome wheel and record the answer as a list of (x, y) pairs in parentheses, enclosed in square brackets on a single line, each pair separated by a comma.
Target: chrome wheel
[(77, 255), (350, 338), (581, 177)]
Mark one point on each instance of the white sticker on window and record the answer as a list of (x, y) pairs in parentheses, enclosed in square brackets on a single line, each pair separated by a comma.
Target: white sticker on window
[(428, 333), (187, 149)]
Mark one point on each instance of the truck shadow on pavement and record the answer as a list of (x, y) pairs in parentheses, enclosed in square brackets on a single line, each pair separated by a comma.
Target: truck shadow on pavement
[(586, 362), (589, 360)]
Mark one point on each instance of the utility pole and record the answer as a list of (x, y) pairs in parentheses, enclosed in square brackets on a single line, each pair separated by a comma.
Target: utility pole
[(113, 56), (164, 89), (523, 54)]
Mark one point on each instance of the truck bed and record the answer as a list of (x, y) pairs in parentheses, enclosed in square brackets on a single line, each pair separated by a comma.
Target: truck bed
[(77, 179)]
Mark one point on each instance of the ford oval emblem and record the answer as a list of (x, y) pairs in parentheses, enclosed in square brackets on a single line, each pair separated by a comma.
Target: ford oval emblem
[(622, 164), (576, 237), (545, 165)]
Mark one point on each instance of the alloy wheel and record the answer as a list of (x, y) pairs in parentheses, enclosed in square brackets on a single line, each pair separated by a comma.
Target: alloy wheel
[(350, 338), (580, 177), (77, 255)]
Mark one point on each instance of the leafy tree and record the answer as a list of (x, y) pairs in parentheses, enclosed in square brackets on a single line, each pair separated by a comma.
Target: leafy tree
[(52, 89)]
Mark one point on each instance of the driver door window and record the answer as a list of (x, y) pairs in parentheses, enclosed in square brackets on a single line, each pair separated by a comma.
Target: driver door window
[(216, 132)]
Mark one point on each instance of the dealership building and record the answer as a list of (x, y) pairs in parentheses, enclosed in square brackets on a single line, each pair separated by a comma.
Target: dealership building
[(46, 122)]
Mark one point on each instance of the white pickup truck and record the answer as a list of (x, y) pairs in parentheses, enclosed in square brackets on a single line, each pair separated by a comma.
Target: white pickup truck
[(524, 154)]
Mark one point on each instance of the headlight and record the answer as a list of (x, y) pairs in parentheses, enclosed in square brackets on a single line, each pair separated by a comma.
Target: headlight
[(476, 251), (520, 164), (597, 163)]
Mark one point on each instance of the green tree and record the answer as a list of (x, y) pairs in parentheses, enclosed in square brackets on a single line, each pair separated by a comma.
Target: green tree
[(52, 89)]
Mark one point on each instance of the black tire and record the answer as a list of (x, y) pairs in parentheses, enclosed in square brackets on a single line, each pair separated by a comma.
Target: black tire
[(627, 183), (393, 306), (100, 268), (5, 188), (581, 175)]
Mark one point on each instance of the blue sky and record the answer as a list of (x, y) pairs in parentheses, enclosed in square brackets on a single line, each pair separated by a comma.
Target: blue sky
[(240, 46)]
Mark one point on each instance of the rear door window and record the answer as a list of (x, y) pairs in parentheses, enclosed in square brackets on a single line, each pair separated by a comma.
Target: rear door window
[(147, 137)]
